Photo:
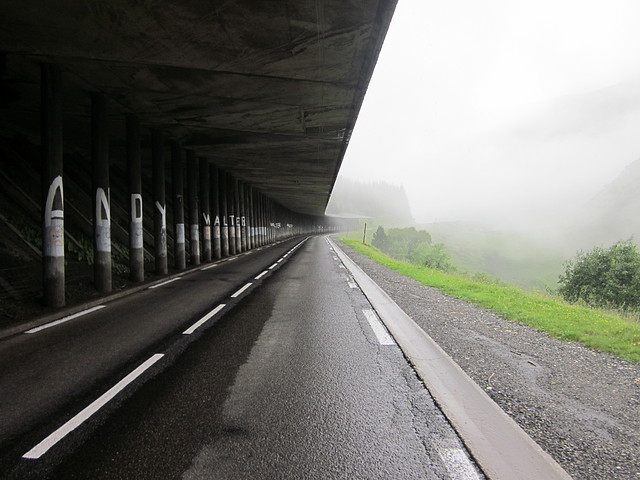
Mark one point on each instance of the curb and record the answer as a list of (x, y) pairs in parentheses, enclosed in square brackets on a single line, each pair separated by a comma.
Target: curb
[(502, 449)]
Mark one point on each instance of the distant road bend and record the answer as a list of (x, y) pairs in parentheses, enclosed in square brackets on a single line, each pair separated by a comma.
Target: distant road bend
[(270, 364)]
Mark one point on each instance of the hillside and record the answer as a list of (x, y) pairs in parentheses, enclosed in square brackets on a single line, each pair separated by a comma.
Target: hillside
[(387, 204), (611, 215), (508, 255)]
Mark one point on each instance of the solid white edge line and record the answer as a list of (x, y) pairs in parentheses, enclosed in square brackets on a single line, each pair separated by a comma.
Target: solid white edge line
[(65, 319), (502, 449), (209, 266), (273, 266), (457, 463), (261, 275), (196, 325), (241, 290), (42, 447), (164, 283), (378, 329)]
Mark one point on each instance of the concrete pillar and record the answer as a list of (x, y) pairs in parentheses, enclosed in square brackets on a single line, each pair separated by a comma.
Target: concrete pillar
[(243, 217), (52, 191), (177, 181), (236, 202), (231, 213), (263, 217), (194, 225), (205, 207), (224, 227), (134, 170), (215, 211), (101, 194), (248, 219), (159, 202)]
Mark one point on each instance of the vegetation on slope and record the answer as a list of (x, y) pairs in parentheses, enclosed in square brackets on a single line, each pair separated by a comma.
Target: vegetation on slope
[(593, 328)]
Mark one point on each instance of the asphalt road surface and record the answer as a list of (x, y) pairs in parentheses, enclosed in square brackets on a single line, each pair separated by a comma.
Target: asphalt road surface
[(290, 379)]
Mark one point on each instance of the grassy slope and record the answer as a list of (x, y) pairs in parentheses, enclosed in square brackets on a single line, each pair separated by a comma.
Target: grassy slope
[(504, 254), (595, 329)]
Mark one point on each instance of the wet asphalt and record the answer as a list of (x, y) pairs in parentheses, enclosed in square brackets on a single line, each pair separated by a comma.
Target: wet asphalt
[(288, 382)]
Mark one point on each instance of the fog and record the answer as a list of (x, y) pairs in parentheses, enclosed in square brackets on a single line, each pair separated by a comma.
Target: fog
[(502, 110)]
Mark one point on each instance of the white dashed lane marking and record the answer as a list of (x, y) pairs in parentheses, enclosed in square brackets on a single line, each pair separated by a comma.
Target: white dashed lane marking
[(378, 329), (65, 319), (42, 447)]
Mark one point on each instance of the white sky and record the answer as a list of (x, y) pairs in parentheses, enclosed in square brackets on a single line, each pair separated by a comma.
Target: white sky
[(501, 107)]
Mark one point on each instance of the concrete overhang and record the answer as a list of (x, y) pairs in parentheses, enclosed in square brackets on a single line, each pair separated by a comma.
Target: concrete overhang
[(268, 90)]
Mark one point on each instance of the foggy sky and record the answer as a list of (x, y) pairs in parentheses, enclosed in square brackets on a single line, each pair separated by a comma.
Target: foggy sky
[(501, 108)]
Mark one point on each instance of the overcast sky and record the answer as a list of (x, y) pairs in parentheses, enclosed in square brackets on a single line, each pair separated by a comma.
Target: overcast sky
[(501, 107)]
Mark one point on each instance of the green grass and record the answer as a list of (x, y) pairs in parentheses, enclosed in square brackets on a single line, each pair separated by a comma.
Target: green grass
[(593, 328)]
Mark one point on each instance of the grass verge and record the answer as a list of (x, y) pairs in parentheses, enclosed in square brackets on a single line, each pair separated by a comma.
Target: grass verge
[(593, 328)]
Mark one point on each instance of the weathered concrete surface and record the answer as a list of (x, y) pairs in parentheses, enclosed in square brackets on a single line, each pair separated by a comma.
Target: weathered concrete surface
[(269, 90)]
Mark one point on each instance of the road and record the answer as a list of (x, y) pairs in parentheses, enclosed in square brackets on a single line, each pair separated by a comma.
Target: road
[(288, 380)]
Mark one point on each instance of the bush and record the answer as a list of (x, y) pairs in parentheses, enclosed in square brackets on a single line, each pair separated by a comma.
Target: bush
[(432, 256), (413, 246), (604, 277)]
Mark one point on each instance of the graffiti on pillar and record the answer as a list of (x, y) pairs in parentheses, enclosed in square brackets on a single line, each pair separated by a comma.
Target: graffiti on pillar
[(135, 235), (232, 220), (216, 227), (206, 230), (163, 229), (243, 221), (195, 239), (224, 221), (54, 220), (103, 220), (180, 233)]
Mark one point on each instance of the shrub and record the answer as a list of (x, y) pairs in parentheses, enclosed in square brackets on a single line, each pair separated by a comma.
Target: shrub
[(379, 239), (432, 256), (604, 277)]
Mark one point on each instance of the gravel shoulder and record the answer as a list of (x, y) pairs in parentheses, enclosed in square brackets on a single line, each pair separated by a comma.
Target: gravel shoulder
[(580, 405)]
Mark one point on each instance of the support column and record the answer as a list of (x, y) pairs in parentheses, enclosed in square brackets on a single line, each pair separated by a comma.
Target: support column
[(52, 191), (159, 202), (243, 217), (263, 226), (236, 202), (177, 180), (215, 211), (192, 187), (101, 194), (134, 168), (247, 215), (231, 214), (205, 207), (224, 227)]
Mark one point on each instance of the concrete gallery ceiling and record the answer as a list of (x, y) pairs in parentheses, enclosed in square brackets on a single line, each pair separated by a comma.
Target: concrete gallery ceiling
[(268, 90)]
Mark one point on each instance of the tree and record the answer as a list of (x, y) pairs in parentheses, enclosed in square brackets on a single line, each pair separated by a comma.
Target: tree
[(604, 277), (379, 239)]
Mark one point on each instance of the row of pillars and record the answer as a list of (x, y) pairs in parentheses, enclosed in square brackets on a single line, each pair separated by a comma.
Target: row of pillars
[(234, 216)]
